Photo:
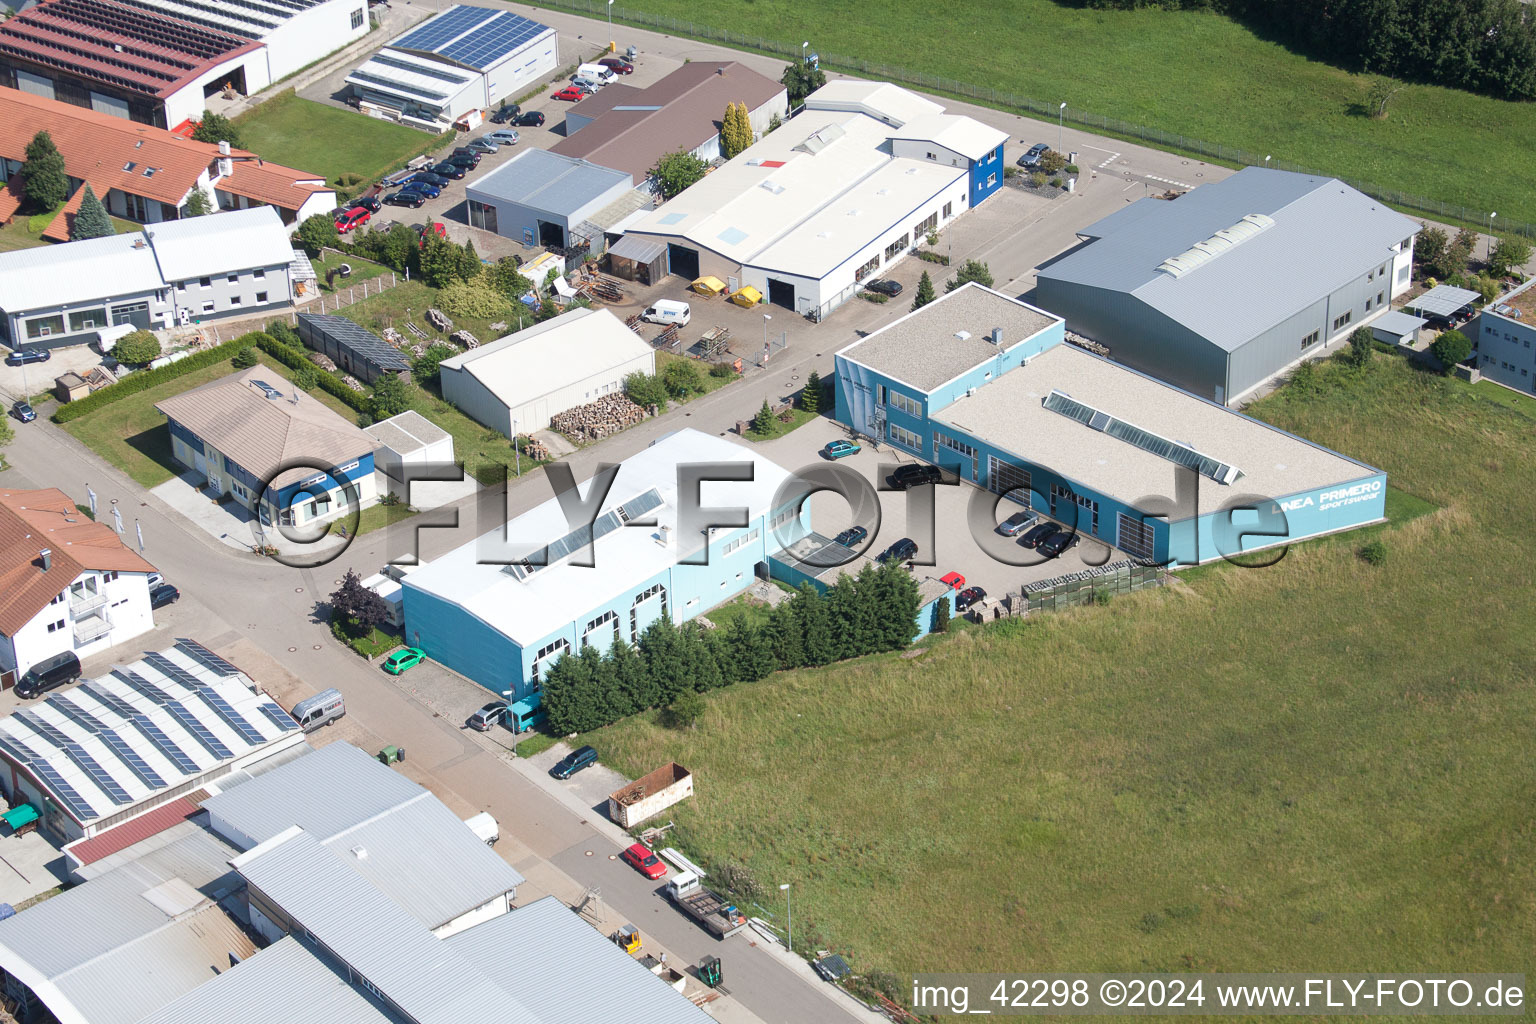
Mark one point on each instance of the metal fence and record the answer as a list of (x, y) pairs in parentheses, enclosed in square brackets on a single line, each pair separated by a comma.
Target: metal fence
[(1012, 103), (1082, 587)]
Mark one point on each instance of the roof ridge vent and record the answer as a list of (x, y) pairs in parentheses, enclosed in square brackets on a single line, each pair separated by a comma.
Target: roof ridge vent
[(1204, 251)]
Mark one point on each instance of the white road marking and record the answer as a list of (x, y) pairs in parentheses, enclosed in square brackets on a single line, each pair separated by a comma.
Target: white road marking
[(1168, 181), (1112, 158)]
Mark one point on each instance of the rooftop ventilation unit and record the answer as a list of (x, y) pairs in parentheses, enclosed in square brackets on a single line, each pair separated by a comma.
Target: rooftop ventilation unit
[(997, 336), (1174, 451), (963, 335), (772, 186)]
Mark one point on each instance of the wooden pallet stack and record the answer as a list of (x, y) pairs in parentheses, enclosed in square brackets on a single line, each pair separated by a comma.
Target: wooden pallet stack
[(635, 324), (597, 420)]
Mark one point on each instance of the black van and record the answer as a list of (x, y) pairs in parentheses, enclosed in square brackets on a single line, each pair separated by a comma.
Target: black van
[(49, 674)]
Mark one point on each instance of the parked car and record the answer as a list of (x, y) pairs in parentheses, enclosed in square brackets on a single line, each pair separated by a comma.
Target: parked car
[(404, 658), (953, 580), (350, 218), (427, 189), (1039, 533), (505, 136), (432, 227), (642, 859), (23, 412), (485, 144), (1058, 542), (494, 713), (49, 674), (1018, 523), (575, 761), (903, 550), (914, 474), (369, 203), (163, 595), (22, 356), (465, 154), (153, 580), (529, 119), (429, 178), (506, 113), (834, 450), (571, 94), (851, 536), (884, 286), (449, 170), (1035, 155), (968, 597), (618, 65), (405, 197)]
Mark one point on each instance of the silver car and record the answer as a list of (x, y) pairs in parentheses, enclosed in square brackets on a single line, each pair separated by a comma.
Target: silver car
[(485, 145), (503, 136), (1018, 523)]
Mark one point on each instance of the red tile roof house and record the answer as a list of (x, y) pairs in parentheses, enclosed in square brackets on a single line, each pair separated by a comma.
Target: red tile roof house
[(143, 173), (66, 583)]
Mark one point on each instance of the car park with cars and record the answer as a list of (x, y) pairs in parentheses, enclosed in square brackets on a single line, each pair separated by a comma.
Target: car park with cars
[(425, 188), (1018, 523), (915, 474), (575, 761), (23, 356), (405, 197), (1058, 542), (953, 580), (350, 218), (851, 536), (644, 860), (1036, 534), (902, 551), (571, 94), (404, 658), (834, 450), (449, 170), (429, 178), (506, 113), (618, 65), (369, 203), (529, 119), (485, 144), (464, 154), (884, 286), (23, 411), (504, 136)]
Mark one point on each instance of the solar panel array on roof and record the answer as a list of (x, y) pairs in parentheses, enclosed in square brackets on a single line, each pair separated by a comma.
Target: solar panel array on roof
[(204, 657), (76, 753), (207, 695), (146, 727), (361, 341), (476, 37), (115, 743), (61, 789), (279, 717), (576, 539)]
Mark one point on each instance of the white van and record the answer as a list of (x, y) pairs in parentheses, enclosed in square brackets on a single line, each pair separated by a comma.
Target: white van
[(595, 72), (321, 709), (484, 826), (668, 311)]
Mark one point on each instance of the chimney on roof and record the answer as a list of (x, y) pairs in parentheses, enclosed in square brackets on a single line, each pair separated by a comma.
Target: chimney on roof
[(138, 243), (47, 557)]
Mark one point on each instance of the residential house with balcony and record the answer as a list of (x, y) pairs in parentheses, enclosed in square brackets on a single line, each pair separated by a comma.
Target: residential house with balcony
[(66, 583)]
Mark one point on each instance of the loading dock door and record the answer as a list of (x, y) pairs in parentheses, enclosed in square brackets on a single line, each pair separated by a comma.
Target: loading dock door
[(1008, 480), (781, 293), (683, 261)]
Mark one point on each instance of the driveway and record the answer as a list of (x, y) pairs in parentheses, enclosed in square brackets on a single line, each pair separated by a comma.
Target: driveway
[(25, 381)]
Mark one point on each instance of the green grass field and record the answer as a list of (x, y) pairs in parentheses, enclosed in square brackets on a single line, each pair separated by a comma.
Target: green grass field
[(1324, 765), (27, 232), (329, 140), (132, 435), (1197, 75)]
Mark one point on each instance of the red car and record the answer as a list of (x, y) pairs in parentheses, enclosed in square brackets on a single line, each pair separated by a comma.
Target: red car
[(640, 857), (352, 217), (432, 228), (953, 580), (618, 65), (572, 93)]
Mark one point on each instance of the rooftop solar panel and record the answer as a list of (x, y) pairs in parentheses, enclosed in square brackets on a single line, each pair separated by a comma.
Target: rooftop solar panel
[(279, 717), (115, 743), (146, 727), (361, 341), (168, 668), (99, 775), (474, 36), (204, 657), (200, 732), (139, 684), (63, 791), (231, 717)]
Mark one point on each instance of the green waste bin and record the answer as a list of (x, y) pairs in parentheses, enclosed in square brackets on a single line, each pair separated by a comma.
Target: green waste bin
[(391, 754)]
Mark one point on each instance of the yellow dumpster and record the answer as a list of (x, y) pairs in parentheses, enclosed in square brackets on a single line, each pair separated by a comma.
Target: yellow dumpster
[(747, 297), (709, 286)]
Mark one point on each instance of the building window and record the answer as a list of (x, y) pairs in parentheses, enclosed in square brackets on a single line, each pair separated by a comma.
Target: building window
[(1135, 537), (926, 225), (740, 542), (868, 268), (991, 180), (1088, 504), (897, 246), (953, 445), (548, 653), (948, 210), (45, 326), (137, 208), (207, 307), (634, 609), (1310, 340), (260, 275), (780, 518), (904, 437), (910, 406), (1381, 297), (261, 296), (206, 282), (234, 302), (234, 278), (596, 624), (1340, 321), (357, 18), (482, 215), (1368, 305), (86, 319), (54, 627)]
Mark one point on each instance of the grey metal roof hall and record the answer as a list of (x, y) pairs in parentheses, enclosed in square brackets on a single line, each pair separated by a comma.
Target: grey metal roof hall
[(547, 181), (1322, 234), (345, 799)]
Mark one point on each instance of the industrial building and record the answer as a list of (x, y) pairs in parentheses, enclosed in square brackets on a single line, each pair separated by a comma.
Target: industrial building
[(466, 58), (983, 385), (543, 199), (517, 384), (206, 268), (283, 456), (501, 609), (145, 174), (157, 62), (1501, 340), (137, 737), (844, 189), (66, 583), (1221, 289), (407, 439), (630, 129), (306, 892), (353, 348)]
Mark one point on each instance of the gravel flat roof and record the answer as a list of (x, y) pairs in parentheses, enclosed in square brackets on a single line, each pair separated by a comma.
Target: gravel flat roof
[(924, 348)]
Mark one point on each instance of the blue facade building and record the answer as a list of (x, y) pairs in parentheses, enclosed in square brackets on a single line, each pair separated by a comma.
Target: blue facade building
[(503, 608), (982, 385)]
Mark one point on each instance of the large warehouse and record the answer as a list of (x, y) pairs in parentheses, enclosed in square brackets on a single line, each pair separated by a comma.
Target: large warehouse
[(463, 59), (502, 608), (984, 385), (158, 61), (544, 199), (516, 384), (1221, 289), (847, 187)]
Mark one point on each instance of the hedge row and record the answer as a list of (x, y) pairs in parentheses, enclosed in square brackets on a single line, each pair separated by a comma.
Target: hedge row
[(146, 379), (296, 359)]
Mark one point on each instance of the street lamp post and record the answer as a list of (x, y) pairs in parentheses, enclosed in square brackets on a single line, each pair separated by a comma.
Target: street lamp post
[(1061, 117), (1490, 234), (610, 20), (766, 318), (517, 452), (789, 915), (802, 51), (1266, 161)]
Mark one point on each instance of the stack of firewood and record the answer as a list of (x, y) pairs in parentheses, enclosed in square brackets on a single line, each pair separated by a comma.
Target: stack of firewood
[(597, 420)]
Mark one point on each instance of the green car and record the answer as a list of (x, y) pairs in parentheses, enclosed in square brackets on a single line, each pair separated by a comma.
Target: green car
[(404, 658)]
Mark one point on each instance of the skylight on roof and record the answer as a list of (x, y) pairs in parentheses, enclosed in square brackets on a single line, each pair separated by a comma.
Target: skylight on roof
[(1227, 238), (1174, 451)]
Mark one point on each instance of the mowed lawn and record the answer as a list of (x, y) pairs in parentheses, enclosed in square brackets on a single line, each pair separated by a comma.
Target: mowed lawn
[(132, 435), (329, 140), (1193, 74), (1324, 765)]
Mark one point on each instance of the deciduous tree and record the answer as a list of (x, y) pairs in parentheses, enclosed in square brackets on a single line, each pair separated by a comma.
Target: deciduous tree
[(137, 348), (1451, 348), (686, 709), (217, 128), (1362, 342), (1509, 253), (800, 80), (646, 390), (676, 171), (318, 232), (355, 602), (390, 397)]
